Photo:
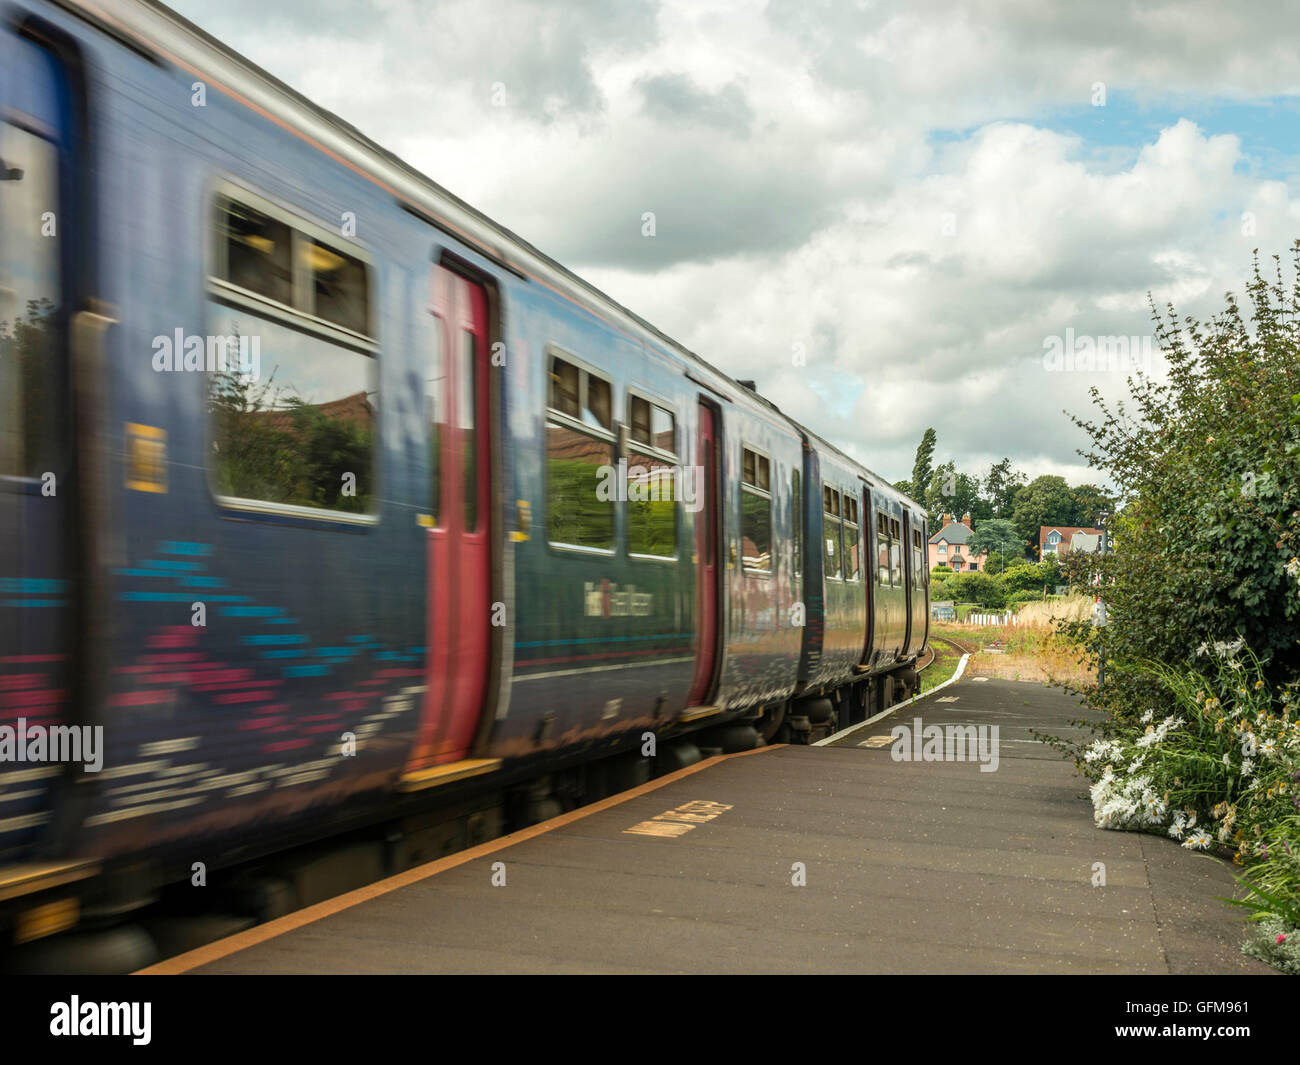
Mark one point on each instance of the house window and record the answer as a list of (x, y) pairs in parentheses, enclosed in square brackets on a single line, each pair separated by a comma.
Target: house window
[(579, 442), (943, 549), (756, 511)]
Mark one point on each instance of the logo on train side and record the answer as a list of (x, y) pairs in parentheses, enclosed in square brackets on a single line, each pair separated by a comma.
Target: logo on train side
[(606, 601)]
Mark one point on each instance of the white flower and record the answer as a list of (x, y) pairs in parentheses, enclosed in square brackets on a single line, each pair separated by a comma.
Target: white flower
[(1293, 567), (1268, 748), (1148, 716), (1247, 768), (1103, 750), (1197, 841)]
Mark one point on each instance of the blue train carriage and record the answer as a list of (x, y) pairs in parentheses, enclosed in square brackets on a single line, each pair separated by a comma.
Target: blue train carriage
[(435, 519), (866, 593)]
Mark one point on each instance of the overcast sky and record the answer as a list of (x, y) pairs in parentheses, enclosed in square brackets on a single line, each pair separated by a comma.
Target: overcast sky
[(920, 194)]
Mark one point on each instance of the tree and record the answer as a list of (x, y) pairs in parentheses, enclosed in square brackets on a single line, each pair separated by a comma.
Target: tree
[(998, 537), (1043, 501), (1088, 501), (952, 493), (923, 467), (1207, 459), (1001, 487)]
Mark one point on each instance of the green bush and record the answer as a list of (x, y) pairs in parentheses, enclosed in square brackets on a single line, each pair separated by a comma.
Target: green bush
[(977, 588), (1028, 596), (1206, 457)]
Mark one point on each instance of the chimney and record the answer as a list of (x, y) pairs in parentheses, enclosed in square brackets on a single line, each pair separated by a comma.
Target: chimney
[(946, 521), (965, 519)]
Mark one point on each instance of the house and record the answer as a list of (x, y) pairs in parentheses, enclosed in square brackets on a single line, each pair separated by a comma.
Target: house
[(948, 546), (1060, 539)]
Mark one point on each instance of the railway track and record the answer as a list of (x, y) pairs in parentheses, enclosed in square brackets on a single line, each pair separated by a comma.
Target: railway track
[(931, 653)]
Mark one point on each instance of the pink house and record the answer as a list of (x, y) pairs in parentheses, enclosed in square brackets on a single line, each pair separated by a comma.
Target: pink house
[(948, 546)]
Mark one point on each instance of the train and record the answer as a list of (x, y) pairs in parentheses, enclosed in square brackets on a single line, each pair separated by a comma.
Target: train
[(330, 508)]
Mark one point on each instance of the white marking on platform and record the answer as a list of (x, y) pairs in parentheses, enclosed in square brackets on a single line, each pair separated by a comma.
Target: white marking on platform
[(961, 668)]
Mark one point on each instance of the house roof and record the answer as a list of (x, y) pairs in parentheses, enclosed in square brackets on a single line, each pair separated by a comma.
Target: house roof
[(1066, 531), (1082, 541), (953, 533)]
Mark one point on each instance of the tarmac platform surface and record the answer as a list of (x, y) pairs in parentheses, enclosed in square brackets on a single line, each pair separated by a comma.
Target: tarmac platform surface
[(797, 860)]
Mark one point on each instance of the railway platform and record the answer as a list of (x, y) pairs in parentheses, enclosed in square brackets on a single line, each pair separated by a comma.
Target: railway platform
[(839, 858)]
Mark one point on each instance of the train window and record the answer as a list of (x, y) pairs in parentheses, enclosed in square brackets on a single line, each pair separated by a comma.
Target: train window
[(338, 286), (852, 561), (292, 399), (29, 304), (579, 456), (917, 567), (258, 250), (565, 388), (639, 419), (651, 480), (435, 404), (466, 409), (597, 407), (832, 548), (796, 521), (882, 549), (755, 511), (895, 554), (663, 429)]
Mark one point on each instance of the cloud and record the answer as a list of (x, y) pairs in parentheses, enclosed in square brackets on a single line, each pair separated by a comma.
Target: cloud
[(920, 194)]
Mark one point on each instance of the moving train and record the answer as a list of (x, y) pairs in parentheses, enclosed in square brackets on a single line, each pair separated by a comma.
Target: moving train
[(331, 508)]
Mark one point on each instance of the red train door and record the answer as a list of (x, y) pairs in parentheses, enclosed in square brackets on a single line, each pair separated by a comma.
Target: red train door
[(707, 538), (868, 570), (459, 592)]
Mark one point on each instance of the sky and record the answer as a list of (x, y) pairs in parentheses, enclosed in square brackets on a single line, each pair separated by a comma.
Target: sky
[(890, 215)]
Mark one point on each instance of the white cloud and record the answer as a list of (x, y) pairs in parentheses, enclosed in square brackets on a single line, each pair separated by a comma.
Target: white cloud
[(789, 151)]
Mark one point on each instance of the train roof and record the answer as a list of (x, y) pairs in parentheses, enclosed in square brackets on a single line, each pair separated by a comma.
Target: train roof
[(149, 26)]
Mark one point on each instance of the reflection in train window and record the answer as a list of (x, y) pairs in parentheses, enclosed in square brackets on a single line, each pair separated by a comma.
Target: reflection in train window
[(832, 548), (579, 458), (852, 562), (338, 283), (301, 431), (755, 511), (882, 549), (796, 511), (292, 403), (651, 480), (30, 330), (258, 250)]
